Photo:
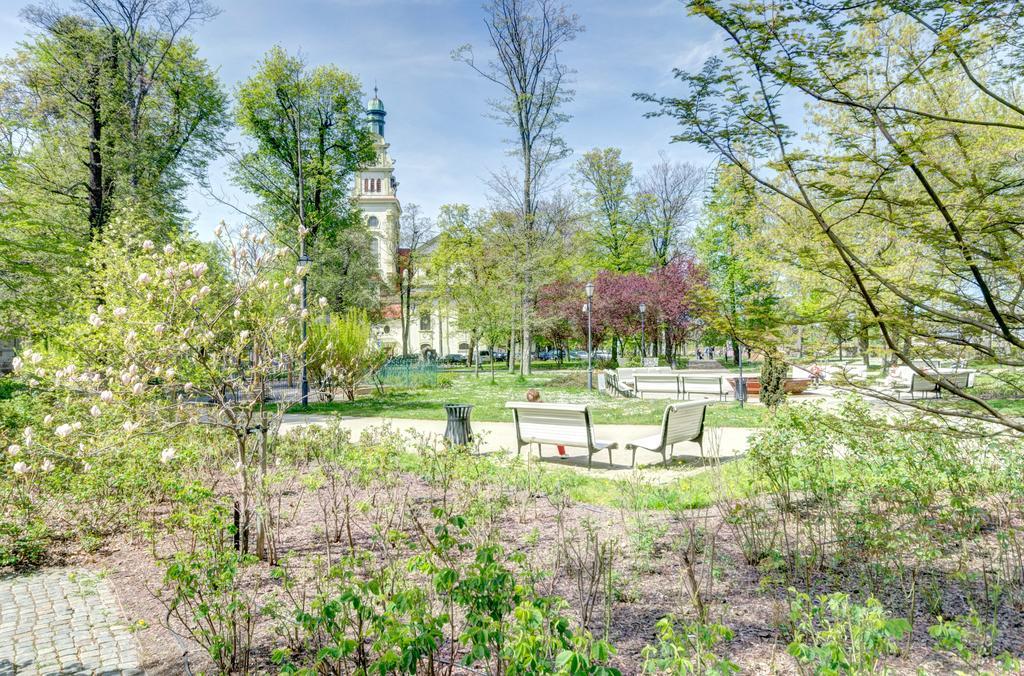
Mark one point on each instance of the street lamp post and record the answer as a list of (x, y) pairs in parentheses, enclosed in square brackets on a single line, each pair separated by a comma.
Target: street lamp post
[(304, 261), (643, 332), (589, 288)]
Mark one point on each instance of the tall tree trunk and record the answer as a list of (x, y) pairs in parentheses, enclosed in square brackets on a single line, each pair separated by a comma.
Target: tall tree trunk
[(96, 187)]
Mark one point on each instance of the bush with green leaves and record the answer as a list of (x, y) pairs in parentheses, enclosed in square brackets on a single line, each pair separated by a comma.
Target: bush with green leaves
[(688, 649), (343, 354), (833, 635)]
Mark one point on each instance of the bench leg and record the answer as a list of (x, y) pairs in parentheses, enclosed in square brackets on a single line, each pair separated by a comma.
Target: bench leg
[(609, 456), (634, 457)]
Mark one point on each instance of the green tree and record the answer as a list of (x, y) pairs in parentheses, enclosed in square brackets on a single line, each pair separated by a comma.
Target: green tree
[(107, 111), (906, 175), (465, 273), (743, 289), (615, 230), (307, 136), (527, 37)]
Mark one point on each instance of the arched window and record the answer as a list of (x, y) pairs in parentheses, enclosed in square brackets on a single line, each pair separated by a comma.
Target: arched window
[(378, 186), (372, 221)]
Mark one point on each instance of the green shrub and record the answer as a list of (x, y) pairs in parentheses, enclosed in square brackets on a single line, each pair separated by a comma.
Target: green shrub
[(773, 379), (687, 649), (831, 635)]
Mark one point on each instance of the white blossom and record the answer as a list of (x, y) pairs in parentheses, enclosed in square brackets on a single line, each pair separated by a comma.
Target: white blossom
[(322, 301), (137, 389), (120, 312), (199, 269), (131, 336), (159, 329), (144, 279), (130, 426), (147, 245), (20, 468), (204, 291), (48, 420), (168, 250), (47, 465), (106, 396), (169, 374), (76, 425), (95, 411), (63, 430), (13, 450), (244, 335), (167, 454), (219, 230), (95, 320), (29, 434), (16, 363)]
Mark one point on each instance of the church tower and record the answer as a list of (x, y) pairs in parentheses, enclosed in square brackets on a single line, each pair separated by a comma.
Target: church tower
[(375, 193)]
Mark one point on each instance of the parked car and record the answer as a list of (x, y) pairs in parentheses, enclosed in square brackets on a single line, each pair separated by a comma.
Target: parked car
[(454, 360), (547, 355), (602, 354), (499, 355), (578, 354)]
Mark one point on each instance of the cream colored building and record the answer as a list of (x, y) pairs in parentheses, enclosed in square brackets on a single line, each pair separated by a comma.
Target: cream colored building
[(376, 193)]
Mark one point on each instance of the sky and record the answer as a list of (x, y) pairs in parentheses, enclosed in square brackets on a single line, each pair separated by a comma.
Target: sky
[(444, 143)]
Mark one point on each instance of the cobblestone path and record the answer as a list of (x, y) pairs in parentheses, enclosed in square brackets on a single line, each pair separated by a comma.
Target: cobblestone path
[(61, 622)]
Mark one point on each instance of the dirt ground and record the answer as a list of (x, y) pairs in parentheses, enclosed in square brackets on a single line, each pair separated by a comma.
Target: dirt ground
[(648, 585)]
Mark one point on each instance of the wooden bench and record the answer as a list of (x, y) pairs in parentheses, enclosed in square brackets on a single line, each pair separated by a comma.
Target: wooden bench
[(556, 425), (657, 383), (704, 385), (681, 422)]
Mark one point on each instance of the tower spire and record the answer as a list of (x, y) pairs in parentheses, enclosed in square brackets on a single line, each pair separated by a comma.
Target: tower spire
[(375, 112)]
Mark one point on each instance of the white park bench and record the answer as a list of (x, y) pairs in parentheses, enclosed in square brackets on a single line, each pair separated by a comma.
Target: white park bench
[(681, 422), (704, 385), (557, 425), (657, 383)]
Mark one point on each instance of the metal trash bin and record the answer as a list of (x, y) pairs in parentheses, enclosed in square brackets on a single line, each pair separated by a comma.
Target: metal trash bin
[(458, 430), (741, 389)]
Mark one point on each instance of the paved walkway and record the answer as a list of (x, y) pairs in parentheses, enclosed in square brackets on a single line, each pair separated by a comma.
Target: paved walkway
[(500, 437), (61, 622)]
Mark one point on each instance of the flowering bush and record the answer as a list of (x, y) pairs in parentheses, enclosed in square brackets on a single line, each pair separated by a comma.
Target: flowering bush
[(184, 336)]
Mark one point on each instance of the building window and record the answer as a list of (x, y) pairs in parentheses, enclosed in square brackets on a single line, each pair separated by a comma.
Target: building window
[(372, 221), (375, 248), (425, 321), (366, 185), (378, 186)]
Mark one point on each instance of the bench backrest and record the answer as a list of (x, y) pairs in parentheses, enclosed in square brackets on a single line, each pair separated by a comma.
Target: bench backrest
[(960, 380), (919, 383), (702, 384), (567, 424), (657, 382), (626, 374), (683, 421)]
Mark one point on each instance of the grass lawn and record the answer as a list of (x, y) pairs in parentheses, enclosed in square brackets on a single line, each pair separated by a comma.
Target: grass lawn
[(488, 400)]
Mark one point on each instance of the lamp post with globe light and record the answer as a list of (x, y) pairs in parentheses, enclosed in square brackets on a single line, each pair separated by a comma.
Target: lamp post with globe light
[(643, 332), (589, 288)]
